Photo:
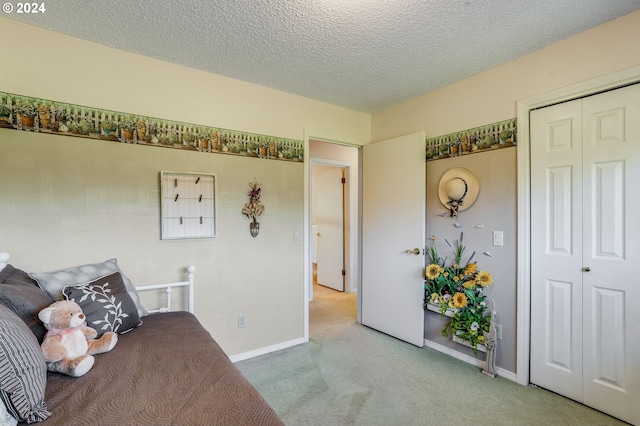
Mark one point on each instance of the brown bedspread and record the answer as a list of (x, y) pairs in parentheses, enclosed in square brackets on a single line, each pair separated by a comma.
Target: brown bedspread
[(169, 371)]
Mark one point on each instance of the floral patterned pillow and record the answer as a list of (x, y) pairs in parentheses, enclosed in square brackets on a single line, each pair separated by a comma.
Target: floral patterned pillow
[(106, 304)]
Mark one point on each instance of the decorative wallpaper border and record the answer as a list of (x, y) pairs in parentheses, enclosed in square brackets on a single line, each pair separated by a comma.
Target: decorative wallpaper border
[(44, 116), (492, 136)]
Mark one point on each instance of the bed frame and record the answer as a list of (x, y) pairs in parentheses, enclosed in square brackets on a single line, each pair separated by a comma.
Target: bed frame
[(168, 289)]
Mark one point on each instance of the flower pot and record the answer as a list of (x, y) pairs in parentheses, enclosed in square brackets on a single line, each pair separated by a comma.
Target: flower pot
[(5, 122), (140, 127), (26, 120), (45, 120), (435, 308), (254, 228), (479, 347), (127, 134)]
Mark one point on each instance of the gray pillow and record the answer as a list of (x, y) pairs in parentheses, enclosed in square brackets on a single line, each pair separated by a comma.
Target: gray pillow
[(23, 371), (106, 304), (54, 282), (22, 295)]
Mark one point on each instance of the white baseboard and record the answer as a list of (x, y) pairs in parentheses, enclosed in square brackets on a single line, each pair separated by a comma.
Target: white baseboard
[(266, 350), (468, 359)]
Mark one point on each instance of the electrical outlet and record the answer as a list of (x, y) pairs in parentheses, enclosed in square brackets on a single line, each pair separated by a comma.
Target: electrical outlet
[(242, 321), (498, 331)]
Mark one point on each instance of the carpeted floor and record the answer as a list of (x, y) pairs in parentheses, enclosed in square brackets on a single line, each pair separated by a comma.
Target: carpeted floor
[(348, 374)]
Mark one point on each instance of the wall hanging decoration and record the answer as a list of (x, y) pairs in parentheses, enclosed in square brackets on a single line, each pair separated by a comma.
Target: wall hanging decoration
[(458, 190), (188, 205), (254, 208), (44, 116), (456, 290), (492, 136)]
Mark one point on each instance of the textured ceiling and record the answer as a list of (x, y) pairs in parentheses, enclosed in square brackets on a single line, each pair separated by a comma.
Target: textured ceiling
[(365, 55)]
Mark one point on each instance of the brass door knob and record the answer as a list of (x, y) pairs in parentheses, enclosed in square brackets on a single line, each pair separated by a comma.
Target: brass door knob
[(586, 269), (415, 251)]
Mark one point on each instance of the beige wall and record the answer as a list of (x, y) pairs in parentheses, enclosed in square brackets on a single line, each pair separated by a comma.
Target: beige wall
[(53, 66), (487, 98), (491, 96), (66, 201)]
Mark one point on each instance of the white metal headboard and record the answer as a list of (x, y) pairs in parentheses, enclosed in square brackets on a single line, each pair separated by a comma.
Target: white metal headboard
[(168, 288)]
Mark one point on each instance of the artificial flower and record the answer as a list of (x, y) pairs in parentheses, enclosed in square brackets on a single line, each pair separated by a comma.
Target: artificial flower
[(460, 300), (469, 284), (458, 286), (484, 278), (253, 208), (471, 268), (432, 272)]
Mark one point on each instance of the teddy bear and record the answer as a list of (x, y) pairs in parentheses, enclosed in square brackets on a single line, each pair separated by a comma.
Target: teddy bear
[(70, 344)]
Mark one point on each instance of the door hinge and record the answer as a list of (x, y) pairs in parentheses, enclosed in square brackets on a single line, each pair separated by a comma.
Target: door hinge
[(344, 180), (344, 272)]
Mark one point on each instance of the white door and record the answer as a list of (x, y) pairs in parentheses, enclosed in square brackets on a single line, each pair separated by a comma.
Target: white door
[(328, 191), (585, 158), (556, 243), (393, 221)]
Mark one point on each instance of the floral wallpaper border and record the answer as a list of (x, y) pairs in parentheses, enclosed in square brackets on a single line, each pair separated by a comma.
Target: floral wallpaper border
[(45, 116), (492, 136)]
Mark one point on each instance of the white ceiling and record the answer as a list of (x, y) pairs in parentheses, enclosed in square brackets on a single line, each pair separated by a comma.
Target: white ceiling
[(365, 55)]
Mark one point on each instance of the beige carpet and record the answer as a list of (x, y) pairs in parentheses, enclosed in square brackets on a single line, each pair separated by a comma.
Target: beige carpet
[(348, 374)]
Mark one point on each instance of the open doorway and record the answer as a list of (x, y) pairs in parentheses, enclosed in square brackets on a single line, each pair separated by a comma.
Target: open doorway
[(333, 222)]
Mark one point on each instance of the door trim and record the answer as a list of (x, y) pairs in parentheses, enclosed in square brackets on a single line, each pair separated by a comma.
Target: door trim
[(523, 301)]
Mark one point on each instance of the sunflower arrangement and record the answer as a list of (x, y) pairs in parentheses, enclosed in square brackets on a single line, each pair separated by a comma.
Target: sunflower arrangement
[(459, 287)]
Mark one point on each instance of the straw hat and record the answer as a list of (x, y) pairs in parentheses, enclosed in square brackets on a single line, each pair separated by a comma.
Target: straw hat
[(458, 189)]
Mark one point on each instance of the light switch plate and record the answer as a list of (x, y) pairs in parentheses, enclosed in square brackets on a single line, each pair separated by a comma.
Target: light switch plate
[(498, 238)]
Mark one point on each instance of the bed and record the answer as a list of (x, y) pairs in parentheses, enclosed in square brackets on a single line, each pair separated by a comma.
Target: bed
[(166, 369)]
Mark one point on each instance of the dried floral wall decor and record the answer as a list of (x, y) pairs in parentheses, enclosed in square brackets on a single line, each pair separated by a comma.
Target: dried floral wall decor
[(254, 207), (491, 136), (44, 116)]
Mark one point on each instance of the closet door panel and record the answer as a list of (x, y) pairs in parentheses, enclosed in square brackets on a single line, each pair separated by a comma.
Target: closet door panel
[(556, 249), (611, 155)]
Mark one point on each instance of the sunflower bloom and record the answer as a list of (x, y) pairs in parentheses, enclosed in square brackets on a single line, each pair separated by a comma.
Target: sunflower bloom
[(432, 272), (469, 284), (484, 278), (459, 300), (471, 268)]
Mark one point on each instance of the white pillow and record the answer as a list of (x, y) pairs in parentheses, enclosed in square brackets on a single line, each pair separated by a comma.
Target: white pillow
[(54, 282)]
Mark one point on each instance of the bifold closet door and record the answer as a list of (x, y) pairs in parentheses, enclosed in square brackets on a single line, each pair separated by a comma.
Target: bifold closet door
[(585, 169)]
